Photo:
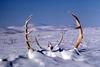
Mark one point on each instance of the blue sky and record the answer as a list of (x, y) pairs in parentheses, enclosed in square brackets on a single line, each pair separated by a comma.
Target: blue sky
[(49, 12)]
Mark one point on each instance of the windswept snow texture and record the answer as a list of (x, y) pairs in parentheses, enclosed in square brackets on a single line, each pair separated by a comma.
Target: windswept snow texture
[(12, 46)]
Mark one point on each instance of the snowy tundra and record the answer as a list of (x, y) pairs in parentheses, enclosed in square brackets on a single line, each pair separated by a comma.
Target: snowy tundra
[(13, 52)]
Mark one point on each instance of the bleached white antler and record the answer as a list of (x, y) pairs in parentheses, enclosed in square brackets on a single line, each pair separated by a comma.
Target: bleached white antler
[(80, 31)]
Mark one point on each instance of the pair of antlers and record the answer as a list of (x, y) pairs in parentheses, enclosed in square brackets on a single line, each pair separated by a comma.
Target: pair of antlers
[(76, 43)]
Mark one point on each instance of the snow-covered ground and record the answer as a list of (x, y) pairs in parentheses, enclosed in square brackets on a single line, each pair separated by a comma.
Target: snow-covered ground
[(12, 45)]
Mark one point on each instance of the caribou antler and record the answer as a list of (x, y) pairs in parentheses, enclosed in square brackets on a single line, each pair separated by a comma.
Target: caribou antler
[(57, 45), (50, 46), (27, 33), (62, 35), (36, 40), (80, 34)]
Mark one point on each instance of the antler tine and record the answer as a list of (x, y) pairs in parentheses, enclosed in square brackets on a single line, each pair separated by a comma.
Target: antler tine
[(62, 34), (28, 18), (50, 45), (26, 33), (39, 44), (80, 34)]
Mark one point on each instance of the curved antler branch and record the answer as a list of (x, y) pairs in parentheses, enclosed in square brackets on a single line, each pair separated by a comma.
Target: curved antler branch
[(36, 40), (60, 40), (80, 32), (26, 33)]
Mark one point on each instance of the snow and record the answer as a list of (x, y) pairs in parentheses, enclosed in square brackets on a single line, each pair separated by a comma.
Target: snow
[(12, 47)]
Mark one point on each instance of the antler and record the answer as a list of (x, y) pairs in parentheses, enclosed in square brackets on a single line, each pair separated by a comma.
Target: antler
[(27, 33), (36, 40), (60, 40), (80, 34), (50, 46)]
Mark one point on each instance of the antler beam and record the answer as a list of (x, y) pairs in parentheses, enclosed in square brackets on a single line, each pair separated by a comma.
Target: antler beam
[(80, 31), (26, 33)]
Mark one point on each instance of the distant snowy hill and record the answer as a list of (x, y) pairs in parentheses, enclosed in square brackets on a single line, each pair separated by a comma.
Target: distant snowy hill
[(14, 29), (51, 28)]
